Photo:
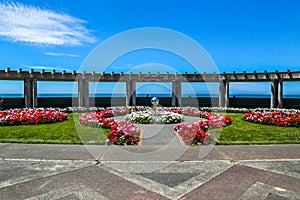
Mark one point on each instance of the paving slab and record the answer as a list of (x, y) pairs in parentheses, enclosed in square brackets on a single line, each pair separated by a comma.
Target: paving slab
[(29, 171), (13, 171), (162, 134), (173, 180), (233, 183), (287, 167), (51, 151), (93, 178), (159, 152), (268, 192), (244, 152)]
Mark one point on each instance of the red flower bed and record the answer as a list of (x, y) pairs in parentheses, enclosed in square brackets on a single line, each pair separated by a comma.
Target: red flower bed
[(281, 118), (97, 119), (122, 132), (197, 133), (193, 133), (30, 117), (214, 120)]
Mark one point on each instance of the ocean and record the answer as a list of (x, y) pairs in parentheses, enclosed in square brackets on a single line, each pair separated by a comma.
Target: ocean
[(294, 96)]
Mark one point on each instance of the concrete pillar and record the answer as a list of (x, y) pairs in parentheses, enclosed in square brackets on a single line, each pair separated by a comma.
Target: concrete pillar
[(130, 93), (224, 93), (280, 94), (30, 93), (133, 96), (176, 93), (34, 93), (221, 94), (83, 93), (274, 94), (27, 93)]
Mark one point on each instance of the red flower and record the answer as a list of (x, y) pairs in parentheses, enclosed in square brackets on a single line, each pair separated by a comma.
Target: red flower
[(122, 132), (30, 117), (280, 118)]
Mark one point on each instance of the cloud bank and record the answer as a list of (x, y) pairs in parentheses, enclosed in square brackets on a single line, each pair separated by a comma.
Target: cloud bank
[(21, 23), (38, 67), (60, 54)]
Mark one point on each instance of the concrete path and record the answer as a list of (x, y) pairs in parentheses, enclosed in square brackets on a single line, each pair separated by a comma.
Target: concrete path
[(149, 172), (161, 134)]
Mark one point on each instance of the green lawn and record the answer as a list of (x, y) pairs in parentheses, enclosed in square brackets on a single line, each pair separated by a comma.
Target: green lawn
[(240, 132), (58, 133)]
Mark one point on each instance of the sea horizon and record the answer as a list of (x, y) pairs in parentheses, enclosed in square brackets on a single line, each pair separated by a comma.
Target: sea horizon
[(99, 95)]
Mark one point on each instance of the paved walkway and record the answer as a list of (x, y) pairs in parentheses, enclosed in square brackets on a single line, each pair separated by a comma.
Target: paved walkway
[(149, 172), (162, 134)]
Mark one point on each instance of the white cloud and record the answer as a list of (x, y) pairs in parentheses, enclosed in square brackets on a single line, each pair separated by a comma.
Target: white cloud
[(35, 25), (60, 54), (40, 67)]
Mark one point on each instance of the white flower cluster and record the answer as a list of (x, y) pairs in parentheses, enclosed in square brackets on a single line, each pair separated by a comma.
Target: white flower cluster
[(155, 117), (170, 118), (139, 117)]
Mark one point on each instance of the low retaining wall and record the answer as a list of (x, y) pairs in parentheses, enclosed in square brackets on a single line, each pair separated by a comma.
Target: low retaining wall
[(145, 101)]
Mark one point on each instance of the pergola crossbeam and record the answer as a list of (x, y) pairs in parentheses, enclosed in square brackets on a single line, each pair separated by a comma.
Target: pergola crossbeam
[(31, 77)]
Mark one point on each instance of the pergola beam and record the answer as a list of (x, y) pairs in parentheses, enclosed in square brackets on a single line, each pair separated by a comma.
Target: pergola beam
[(31, 77)]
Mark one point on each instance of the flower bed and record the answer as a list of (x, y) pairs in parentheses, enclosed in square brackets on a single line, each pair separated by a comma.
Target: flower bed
[(275, 118), (122, 132), (31, 117), (194, 133), (197, 133), (155, 117), (127, 133)]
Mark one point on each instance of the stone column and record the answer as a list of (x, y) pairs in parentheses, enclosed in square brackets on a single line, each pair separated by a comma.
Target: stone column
[(27, 93), (224, 93), (83, 93), (130, 93), (274, 94), (176, 93), (34, 93), (133, 95), (280, 94), (30, 93)]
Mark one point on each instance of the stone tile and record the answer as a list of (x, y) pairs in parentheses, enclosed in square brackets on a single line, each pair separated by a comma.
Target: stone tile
[(149, 172), (18, 171), (143, 153), (289, 168), (149, 152), (169, 179), (272, 196), (253, 152), (268, 192), (204, 172), (72, 192), (69, 197), (96, 179), (52, 152), (235, 181)]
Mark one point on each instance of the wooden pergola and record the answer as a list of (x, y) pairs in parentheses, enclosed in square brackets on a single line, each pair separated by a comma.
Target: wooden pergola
[(31, 77)]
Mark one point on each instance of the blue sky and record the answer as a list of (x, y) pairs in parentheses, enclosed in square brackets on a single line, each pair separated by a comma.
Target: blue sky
[(239, 35)]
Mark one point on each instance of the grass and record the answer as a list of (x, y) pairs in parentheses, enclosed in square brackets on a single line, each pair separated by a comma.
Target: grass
[(58, 133), (242, 132), (67, 132)]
